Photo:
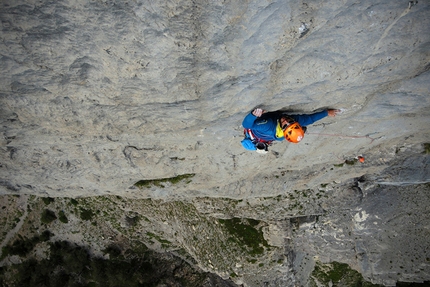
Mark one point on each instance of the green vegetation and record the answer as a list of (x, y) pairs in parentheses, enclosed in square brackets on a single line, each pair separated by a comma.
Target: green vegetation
[(337, 274), (23, 246), (136, 219), (347, 162), (71, 265), (113, 250), (160, 182), (244, 232), (350, 161), (86, 214), (48, 216), (47, 200), (62, 217), (426, 148), (164, 243)]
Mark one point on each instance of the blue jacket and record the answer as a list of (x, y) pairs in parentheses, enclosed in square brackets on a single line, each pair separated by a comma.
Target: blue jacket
[(264, 127)]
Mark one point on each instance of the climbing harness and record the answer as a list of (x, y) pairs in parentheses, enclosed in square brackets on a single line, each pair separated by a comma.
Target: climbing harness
[(251, 142)]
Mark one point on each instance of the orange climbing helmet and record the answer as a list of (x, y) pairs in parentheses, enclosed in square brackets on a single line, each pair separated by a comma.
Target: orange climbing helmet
[(293, 132)]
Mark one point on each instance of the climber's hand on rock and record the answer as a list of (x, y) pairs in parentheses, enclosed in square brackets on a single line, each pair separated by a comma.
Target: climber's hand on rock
[(258, 112), (333, 112)]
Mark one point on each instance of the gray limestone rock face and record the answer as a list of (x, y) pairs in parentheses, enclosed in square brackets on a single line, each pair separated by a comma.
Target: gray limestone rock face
[(97, 96)]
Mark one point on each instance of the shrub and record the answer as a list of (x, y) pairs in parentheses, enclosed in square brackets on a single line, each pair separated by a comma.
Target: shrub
[(113, 250), (426, 148), (48, 216), (23, 246), (71, 265), (86, 214), (63, 217), (244, 232), (48, 200)]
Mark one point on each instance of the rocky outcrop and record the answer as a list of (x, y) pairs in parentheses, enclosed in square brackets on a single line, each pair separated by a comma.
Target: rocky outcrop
[(100, 95)]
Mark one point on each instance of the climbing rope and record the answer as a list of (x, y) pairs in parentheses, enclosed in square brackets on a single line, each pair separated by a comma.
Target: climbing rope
[(343, 136)]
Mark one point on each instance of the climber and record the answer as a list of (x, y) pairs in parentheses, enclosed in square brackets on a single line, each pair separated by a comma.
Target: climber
[(262, 128)]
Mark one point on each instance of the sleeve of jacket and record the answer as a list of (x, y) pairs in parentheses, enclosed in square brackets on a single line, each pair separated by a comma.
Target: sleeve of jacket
[(248, 121), (305, 120)]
